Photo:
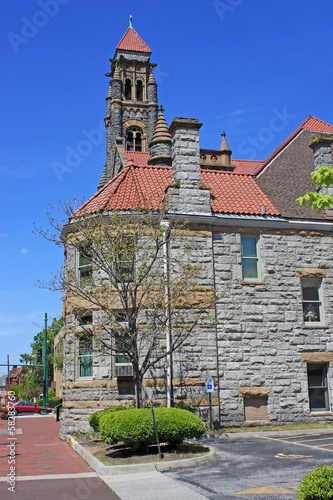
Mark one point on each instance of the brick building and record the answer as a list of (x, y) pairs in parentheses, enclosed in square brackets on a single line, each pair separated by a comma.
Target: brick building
[(270, 350)]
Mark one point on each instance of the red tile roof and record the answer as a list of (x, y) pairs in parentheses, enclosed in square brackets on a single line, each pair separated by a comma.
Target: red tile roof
[(133, 42), (245, 166), (139, 158), (311, 123), (138, 186)]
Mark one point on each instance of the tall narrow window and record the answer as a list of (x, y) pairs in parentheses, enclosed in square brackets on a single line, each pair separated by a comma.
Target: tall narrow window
[(312, 302), (138, 145), (250, 257), (122, 345), (139, 90), (128, 89), (318, 392), (85, 267), (85, 357), (130, 142), (124, 260)]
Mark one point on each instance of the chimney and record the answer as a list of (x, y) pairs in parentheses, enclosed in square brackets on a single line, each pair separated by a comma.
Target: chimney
[(188, 195)]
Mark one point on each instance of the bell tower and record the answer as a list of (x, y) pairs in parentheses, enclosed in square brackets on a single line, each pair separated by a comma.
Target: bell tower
[(131, 103)]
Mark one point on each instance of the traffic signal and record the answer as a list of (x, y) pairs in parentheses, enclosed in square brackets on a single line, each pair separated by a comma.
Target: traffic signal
[(39, 355)]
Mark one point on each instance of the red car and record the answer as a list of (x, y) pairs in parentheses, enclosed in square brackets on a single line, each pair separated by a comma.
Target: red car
[(28, 406)]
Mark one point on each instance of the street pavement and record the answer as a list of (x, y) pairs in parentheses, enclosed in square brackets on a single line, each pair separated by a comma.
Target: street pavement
[(42, 466), (267, 466)]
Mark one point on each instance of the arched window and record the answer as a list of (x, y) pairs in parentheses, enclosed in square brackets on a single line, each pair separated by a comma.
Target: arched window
[(129, 142), (128, 89), (139, 91), (134, 139)]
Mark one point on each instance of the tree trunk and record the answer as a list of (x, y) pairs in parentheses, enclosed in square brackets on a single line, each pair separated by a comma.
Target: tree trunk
[(138, 388)]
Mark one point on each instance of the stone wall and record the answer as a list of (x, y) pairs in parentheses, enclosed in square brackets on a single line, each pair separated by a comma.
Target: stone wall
[(261, 335), (258, 353)]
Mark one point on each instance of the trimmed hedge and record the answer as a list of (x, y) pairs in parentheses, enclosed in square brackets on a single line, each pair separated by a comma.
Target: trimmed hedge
[(135, 426), (51, 402), (94, 418), (317, 485)]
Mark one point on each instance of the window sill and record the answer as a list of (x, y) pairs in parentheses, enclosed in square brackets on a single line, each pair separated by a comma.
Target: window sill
[(252, 282), (313, 326), (321, 413)]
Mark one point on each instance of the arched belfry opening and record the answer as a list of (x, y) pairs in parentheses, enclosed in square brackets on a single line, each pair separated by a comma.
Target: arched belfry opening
[(139, 90), (128, 89), (134, 139)]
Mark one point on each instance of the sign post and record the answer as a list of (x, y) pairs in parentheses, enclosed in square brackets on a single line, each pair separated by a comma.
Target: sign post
[(209, 384)]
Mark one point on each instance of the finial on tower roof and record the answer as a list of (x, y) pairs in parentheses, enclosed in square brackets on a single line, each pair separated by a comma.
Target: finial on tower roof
[(130, 21)]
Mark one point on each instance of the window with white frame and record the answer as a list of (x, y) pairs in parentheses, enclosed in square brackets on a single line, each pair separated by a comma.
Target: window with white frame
[(250, 257), (85, 267), (312, 300), (318, 387), (85, 357)]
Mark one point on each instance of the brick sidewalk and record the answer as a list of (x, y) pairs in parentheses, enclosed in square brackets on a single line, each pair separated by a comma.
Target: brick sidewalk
[(39, 457), (38, 449)]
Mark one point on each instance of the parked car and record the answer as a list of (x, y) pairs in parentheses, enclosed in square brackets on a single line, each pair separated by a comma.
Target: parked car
[(28, 406)]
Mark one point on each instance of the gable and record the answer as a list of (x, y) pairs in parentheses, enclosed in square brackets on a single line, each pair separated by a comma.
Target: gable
[(288, 176)]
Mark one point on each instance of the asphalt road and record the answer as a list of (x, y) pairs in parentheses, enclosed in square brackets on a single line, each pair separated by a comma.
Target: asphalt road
[(266, 467)]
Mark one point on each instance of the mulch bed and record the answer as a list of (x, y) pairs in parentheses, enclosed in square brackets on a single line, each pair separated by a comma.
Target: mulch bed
[(120, 454)]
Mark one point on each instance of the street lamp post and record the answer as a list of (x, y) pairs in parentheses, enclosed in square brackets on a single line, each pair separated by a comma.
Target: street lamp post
[(43, 411)]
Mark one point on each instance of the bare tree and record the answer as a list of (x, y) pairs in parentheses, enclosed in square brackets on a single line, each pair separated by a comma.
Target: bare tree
[(139, 263)]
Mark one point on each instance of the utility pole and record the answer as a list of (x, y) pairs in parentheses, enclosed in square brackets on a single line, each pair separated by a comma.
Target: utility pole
[(43, 411)]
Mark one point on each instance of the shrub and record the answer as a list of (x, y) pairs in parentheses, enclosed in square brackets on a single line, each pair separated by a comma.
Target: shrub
[(135, 426), (318, 485), (95, 417), (183, 406), (51, 394), (53, 402)]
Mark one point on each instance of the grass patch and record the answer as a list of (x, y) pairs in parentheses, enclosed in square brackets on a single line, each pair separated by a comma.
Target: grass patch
[(272, 428)]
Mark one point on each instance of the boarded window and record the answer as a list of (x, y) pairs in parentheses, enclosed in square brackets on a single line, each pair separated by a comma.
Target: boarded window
[(255, 409)]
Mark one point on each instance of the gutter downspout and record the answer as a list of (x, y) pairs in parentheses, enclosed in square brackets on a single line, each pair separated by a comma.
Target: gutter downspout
[(165, 225)]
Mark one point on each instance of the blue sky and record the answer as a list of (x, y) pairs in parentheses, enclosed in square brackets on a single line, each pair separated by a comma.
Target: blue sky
[(236, 65)]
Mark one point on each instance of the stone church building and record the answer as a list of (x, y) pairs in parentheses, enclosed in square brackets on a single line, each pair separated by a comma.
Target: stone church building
[(270, 351)]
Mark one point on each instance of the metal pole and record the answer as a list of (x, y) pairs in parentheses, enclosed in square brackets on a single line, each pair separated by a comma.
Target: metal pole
[(44, 412), (165, 225), (8, 378), (156, 434), (210, 412)]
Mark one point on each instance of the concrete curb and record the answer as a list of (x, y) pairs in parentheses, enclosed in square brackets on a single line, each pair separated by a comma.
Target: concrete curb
[(231, 435), (114, 470)]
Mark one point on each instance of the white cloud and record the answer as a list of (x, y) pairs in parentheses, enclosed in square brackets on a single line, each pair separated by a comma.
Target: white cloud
[(24, 251)]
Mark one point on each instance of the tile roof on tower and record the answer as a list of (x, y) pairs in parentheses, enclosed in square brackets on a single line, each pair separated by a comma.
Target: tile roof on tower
[(132, 41)]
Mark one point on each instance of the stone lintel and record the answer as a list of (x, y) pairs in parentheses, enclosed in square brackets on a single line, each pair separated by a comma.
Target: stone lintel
[(179, 122), (308, 272), (317, 357), (249, 392), (322, 139)]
